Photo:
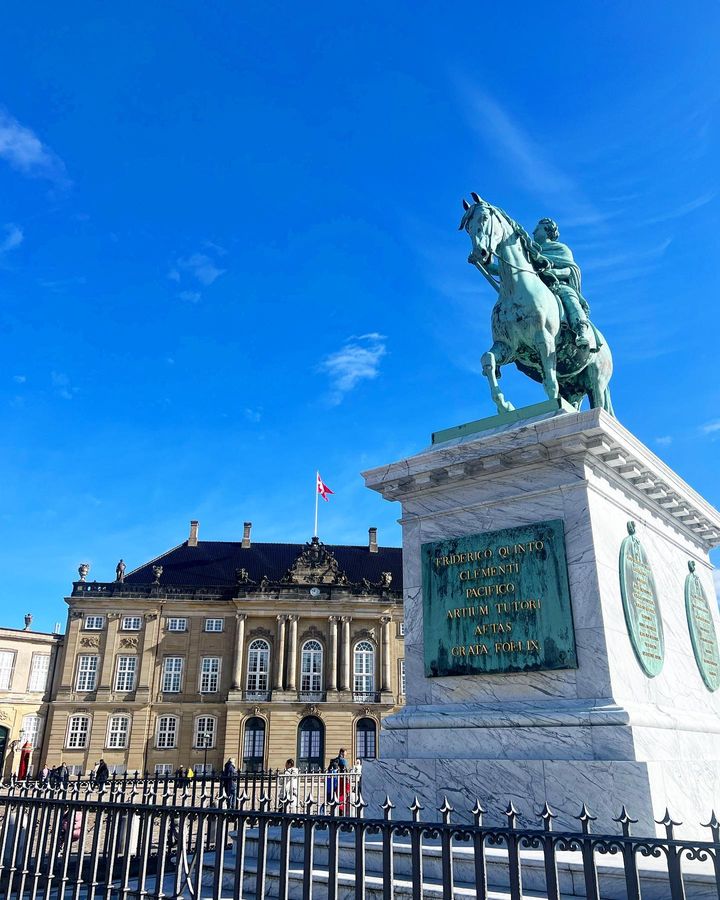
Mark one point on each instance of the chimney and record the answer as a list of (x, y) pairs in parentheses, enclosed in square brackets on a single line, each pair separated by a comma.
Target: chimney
[(193, 539), (57, 629), (372, 540), (246, 536)]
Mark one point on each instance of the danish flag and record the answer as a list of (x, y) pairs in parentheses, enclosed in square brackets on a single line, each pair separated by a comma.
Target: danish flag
[(322, 488)]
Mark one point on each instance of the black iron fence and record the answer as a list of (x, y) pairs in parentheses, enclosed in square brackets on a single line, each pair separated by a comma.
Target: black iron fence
[(56, 847), (275, 786)]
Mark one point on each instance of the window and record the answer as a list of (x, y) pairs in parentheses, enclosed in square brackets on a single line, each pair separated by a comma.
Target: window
[(364, 670), (32, 730), (87, 673), (402, 677), (131, 623), (39, 668), (163, 769), (254, 745), (203, 768), (77, 734), (177, 624), (7, 664), (401, 629), (166, 733), (366, 734), (125, 676), (205, 732), (214, 624), (311, 667), (311, 744), (118, 769), (94, 623), (209, 674), (118, 730), (172, 674), (258, 667)]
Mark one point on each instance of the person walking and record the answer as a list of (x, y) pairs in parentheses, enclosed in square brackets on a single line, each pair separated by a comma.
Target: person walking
[(64, 775), (45, 776), (230, 782), (290, 781), (102, 774)]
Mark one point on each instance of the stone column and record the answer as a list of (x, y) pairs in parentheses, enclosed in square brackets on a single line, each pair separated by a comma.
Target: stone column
[(386, 623), (333, 660), (239, 649), (280, 654), (345, 684), (292, 654)]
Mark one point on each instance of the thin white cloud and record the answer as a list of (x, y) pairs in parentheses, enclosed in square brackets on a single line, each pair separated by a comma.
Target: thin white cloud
[(190, 296), (200, 266), (19, 379), (504, 136), (358, 360), (13, 238), (664, 441), (62, 386), (22, 149), (711, 427), (679, 211), (253, 415)]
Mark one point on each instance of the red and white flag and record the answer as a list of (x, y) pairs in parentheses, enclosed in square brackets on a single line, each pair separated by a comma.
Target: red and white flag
[(322, 488)]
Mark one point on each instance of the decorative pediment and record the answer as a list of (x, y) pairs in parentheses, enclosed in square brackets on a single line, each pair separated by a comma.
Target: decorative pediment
[(260, 632), (313, 633), (89, 642), (311, 710), (315, 565), (128, 642)]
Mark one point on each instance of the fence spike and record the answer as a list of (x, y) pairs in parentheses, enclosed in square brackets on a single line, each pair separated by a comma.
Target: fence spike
[(669, 824), (360, 806), (547, 815), (242, 799), (478, 811), (387, 807), (308, 803), (415, 809), (585, 818), (511, 814), (626, 820), (445, 810)]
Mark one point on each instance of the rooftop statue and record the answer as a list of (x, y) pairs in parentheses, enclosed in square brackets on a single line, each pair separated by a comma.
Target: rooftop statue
[(541, 319)]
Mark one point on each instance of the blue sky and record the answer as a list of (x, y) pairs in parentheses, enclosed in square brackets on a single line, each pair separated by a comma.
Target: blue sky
[(228, 253)]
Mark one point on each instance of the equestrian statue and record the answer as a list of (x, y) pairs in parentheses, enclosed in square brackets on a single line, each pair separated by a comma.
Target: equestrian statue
[(541, 320)]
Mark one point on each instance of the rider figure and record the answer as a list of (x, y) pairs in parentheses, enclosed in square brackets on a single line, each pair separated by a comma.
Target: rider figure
[(557, 268)]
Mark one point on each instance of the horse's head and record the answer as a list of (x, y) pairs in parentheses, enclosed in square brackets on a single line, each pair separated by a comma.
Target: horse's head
[(485, 226)]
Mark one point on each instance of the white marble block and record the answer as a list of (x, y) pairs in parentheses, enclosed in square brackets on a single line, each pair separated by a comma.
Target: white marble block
[(603, 733)]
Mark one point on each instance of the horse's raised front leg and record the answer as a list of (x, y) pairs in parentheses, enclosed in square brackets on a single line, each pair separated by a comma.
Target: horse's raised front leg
[(498, 355), (545, 346)]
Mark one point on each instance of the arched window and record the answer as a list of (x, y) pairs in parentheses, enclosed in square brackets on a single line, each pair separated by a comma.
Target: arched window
[(254, 745), (78, 732), (366, 739), (205, 727), (258, 667), (167, 729), (311, 667), (118, 732), (311, 744), (364, 671), (32, 731)]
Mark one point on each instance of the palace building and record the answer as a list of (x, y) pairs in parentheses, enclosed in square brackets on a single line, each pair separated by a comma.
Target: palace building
[(217, 649)]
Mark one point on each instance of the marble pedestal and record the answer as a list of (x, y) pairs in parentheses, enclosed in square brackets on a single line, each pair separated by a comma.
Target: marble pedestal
[(604, 733)]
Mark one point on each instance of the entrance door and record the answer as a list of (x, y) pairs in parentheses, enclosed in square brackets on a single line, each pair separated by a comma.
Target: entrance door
[(311, 745)]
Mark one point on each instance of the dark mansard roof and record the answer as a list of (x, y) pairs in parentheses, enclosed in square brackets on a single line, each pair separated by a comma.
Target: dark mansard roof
[(216, 564)]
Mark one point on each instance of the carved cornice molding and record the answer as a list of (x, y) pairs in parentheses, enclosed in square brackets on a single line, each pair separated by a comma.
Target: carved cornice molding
[(260, 632), (591, 437)]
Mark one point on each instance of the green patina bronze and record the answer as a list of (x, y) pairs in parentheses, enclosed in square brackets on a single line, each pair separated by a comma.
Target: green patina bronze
[(498, 602), (541, 318), (640, 604), (702, 630), (514, 417)]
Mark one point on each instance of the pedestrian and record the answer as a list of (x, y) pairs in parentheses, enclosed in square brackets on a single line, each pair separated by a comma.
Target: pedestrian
[(102, 773), (341, 761), (290, 780), (230, 781), (45, 776), (331, 784), (64, 775), (93, 774)]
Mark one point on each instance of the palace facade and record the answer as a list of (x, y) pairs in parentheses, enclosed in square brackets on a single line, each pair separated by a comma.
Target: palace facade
[(257, 651), (28, 662)]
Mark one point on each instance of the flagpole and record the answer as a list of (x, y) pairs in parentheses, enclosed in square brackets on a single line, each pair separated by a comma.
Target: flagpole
[(317, 494)]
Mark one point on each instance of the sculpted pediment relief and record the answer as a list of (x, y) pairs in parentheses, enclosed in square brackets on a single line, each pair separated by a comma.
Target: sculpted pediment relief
[(315, 565)]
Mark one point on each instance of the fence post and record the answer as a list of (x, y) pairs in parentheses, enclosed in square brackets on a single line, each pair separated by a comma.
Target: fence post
[(592, 890), (674, 857)]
